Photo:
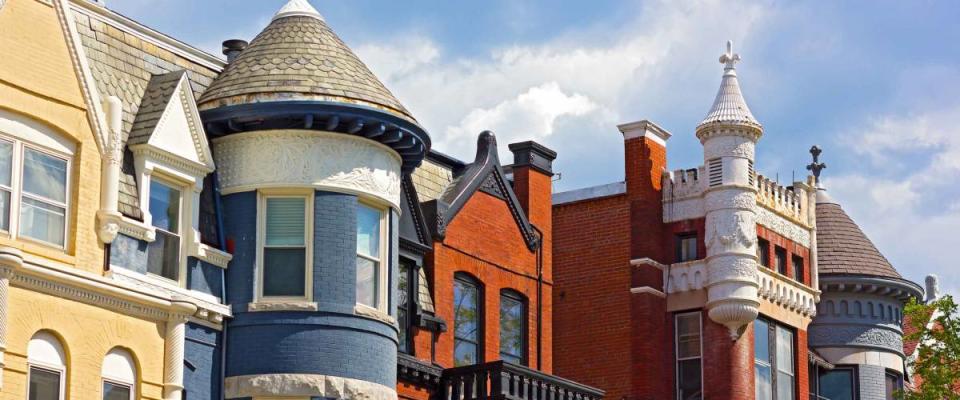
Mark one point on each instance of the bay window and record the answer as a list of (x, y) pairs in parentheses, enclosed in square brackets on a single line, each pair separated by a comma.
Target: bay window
[(163, 254), (513, 327), (33, 193), (284, 250), (689, 347), (371, 251), (773, 361), (467, 325)]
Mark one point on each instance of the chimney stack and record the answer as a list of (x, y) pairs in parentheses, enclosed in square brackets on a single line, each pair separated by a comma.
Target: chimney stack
[(233, 47)]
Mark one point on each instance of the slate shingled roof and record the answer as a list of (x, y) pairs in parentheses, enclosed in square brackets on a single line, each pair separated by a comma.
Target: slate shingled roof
[(122, 65), (299, 58), (155, 100), (843, 248)]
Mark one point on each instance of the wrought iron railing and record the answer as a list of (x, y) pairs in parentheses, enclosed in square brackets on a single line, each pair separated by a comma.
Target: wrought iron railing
[(500, 380)]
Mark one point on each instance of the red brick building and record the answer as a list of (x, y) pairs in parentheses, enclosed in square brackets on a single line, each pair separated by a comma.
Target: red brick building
[(691, 284), (476, 277)]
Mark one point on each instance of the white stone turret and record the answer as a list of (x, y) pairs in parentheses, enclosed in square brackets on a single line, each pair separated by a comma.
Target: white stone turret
[(729, 134)]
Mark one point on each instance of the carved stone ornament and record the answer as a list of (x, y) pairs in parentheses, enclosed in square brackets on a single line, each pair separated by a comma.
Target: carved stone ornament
[(782, 226), (291, 158), (729, 146), (742, 200), (728, 231), (856, 336), (732, 268)]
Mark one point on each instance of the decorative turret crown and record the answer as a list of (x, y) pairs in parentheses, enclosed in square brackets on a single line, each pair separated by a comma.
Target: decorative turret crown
[(298, 8), (729, 107)]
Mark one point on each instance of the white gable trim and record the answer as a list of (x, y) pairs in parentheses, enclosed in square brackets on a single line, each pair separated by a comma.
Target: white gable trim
[(199, 163)]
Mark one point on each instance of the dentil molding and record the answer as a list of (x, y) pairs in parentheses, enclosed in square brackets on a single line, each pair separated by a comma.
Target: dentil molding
[(323, 160)]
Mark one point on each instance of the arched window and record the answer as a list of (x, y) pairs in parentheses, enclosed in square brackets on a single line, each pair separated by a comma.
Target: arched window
[(119, 375), (34, 174), (513, 327), (47, 367), (467, 320)]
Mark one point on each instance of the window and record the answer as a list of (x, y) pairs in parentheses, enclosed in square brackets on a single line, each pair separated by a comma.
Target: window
[(119, 376), (46, 368), (33, 193), (763, 252), (688, 349), (893, 383), (780, 257), (773, 361), (797, 269), (285, 262), (371, 271), (836, 384), (163, 254), (406, 304), (513, 328), (466, 321), (687, 247)]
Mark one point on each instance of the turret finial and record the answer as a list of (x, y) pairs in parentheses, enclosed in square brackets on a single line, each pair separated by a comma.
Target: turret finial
[(729, 59), (816, 166)]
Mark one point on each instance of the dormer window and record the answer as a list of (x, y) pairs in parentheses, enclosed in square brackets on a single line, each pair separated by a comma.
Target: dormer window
[(163, 254), (33, 193)]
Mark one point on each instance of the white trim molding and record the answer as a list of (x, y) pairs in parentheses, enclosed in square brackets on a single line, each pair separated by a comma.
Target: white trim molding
[(282, 306), (647, 261), (648, 290), (645, 129), (112, 224), (211, 255), (298, 158), (306, 385)]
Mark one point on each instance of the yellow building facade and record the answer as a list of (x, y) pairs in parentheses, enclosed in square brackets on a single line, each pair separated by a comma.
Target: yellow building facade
[(68, 329)]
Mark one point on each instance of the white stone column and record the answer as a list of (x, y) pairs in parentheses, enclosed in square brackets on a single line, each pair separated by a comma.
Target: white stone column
[(173, 350), (112, 159), (10, 260)]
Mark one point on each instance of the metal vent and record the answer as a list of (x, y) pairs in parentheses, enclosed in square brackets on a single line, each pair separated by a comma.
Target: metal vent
[(715, 166), (750, 172)]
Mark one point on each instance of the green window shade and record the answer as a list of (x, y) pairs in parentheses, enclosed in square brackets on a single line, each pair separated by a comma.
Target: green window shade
[(286, 221)]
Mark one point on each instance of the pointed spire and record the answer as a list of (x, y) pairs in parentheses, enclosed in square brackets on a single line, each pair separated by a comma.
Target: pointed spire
[(298, 8), (729, 106)]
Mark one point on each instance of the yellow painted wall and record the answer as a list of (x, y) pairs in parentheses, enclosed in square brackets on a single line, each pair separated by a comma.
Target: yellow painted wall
[(38, 80), (87, 332)]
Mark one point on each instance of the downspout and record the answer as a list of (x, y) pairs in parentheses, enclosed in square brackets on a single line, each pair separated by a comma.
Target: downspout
[(108, 228), (218, 209), (539, 295)]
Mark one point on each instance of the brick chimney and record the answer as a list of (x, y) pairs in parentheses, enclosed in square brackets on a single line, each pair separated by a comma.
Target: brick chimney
[(645, 160)]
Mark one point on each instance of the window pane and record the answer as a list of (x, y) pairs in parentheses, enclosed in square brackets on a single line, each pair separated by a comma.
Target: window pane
[(4, 210), (511, 328), (688, 336), (761, 341), (367, 282), (163, 255), (688, 248), (44, 385), (781, 260), (44, 175), (465, 353), (42, 221), (784, 386), (466, 319), (165, 207), (689, 380), (837, 384), (286, 221), (113, 391), (368, 231), (784, 350), (764, 382), (893, 385), (283, 272), (6, 163)]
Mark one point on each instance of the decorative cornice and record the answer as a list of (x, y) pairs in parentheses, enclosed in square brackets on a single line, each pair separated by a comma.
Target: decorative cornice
[(412, 370), (783, 226), (648, 290), (212, 256), (112, 224), (899, 289), (165, 158), (787, 293)]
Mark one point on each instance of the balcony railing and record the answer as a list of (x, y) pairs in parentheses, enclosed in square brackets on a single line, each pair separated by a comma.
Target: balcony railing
[(501, 380)]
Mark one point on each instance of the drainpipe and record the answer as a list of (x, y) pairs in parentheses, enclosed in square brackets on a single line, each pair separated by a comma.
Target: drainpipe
[(539, 295), (218, 209)]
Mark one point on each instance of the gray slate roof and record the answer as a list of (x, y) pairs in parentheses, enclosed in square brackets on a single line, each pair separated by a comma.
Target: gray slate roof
[(843, 248), (155, 99), (299, 58), (123, 65)]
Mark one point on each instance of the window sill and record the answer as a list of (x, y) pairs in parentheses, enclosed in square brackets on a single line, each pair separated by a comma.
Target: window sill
[(212, 256), (111, 224), (373, 313), (292, 305)]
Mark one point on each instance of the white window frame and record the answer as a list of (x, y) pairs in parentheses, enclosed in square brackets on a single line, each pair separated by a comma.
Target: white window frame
[(262, 196), (182, 223), (383, 292), (60, 370), (18, 154), (117, 383), (676, 349), (116, 379)]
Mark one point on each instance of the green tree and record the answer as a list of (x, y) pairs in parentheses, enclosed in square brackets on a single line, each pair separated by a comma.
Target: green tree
[(936, 326)]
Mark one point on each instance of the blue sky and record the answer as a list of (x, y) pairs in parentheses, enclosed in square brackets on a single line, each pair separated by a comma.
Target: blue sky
[(874, 83)]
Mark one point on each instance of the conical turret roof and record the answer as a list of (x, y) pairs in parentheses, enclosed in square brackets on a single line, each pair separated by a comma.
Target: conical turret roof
[(729, 107), (298, 57), (842, 247)]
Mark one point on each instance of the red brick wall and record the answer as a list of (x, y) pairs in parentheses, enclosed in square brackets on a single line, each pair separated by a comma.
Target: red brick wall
[(593, 332), (411, 392), (802, 371), (645, 162), (793, 248), (727, 364)]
